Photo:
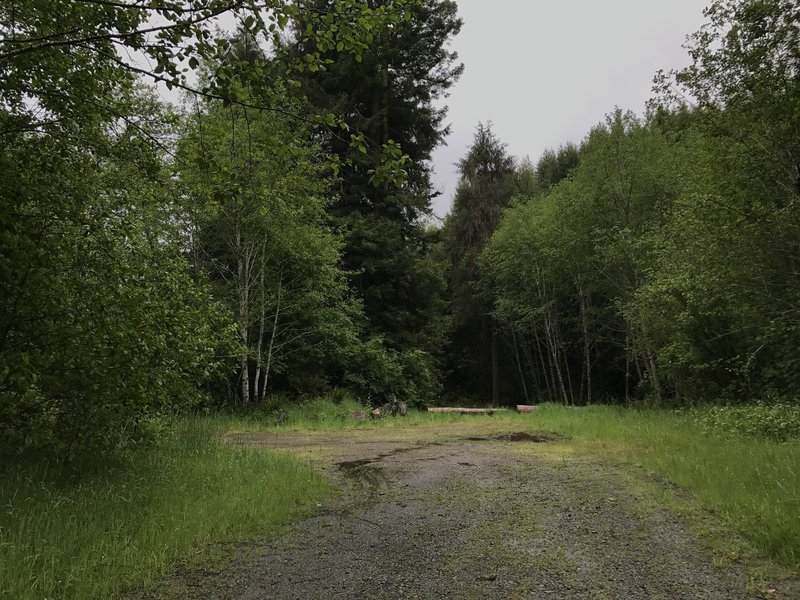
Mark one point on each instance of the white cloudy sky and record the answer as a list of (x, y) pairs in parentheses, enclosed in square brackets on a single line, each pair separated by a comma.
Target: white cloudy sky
[(544, 72)]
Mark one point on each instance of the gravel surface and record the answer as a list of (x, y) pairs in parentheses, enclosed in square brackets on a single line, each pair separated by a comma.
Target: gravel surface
[(468, 517)]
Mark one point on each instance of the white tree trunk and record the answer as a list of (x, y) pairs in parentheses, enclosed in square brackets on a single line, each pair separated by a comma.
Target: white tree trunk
[(587, 357), (243, 276), (271, 346), (258, 391), (519, 366)]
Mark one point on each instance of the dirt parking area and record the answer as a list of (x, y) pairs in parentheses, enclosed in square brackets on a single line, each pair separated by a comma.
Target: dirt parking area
[(477, 512)]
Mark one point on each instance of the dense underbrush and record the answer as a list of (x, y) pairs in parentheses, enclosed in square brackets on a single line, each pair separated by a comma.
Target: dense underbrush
[(778, 421)]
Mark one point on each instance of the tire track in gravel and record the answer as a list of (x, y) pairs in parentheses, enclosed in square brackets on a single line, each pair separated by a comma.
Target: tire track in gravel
[(466, 518)]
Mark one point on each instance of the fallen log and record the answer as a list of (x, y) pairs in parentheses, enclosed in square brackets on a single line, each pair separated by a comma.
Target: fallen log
[(526, 408), (462, 411)]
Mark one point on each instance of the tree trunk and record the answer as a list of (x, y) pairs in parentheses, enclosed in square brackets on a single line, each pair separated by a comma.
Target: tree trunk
[(531, 368), (555, 368), (495, 369), (242, 269), (274, 331), (519, 367), (551, 340), (541, 351), (587, 356), (652, 369), (639, 372), (258, 391), (651, 365), (566, 369), (627, 365)]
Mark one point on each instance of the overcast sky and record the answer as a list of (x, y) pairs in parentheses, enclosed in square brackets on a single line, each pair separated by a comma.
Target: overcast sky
[(544, 72)]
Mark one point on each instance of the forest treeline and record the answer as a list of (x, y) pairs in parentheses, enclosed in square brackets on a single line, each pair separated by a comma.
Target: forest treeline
[(273, 233), (658, 261)]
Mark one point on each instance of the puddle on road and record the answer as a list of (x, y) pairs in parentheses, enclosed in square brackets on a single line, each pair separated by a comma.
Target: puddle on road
[(368, 473), (365, 473), (348, 465), (520, 436)]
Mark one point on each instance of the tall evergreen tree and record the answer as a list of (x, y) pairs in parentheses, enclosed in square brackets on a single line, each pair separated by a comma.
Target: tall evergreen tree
[(388, 94), (485, 189)]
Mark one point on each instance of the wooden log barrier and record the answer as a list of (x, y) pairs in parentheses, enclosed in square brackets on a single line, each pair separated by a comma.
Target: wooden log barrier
[(462, 411)]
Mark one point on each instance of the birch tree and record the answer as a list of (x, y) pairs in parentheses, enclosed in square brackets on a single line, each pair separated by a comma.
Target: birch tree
[(261, 231)]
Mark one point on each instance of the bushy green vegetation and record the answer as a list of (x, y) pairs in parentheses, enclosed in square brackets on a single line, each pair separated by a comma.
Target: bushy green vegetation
[(777, 420), (309, 414), (321, 412), (88, 530), (157, 256)]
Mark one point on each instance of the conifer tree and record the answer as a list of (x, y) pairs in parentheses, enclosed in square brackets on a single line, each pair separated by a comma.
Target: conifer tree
[(389, 94), (485, 189)]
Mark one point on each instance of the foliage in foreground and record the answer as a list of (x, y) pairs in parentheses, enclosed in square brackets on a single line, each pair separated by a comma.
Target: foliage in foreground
[(88, 532)]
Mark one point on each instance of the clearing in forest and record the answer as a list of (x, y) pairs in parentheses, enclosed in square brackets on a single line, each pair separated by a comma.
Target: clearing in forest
[(477, 510)]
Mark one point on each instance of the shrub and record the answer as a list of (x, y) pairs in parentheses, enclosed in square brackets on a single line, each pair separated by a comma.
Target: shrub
[(773, 420), (381, 374)]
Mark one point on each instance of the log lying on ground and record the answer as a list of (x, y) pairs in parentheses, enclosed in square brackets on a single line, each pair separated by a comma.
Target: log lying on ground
[(463, 411), (526, 408)]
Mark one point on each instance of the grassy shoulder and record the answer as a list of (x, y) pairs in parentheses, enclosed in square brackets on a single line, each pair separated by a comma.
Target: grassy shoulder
[(752, 483), (93, 531)]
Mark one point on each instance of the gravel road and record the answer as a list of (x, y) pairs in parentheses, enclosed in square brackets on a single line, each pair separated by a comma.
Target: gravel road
[(495, 516)]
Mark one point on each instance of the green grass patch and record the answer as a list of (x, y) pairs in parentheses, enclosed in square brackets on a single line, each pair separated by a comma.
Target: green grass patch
[(93, 530), (320, 414), (326, 414), (751, 482), (778, 421)]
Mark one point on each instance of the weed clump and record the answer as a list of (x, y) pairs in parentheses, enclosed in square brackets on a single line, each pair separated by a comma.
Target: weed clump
[(779, 421)]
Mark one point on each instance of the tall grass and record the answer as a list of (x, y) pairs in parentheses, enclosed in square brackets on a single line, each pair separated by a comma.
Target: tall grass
[(321, 414), (89, 532), (752, 482)]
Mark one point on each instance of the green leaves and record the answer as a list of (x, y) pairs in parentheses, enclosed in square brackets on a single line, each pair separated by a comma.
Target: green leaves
[(564, 266), (727, 257), (106, 319), (391, 169), (262, 228), (107, 325)]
